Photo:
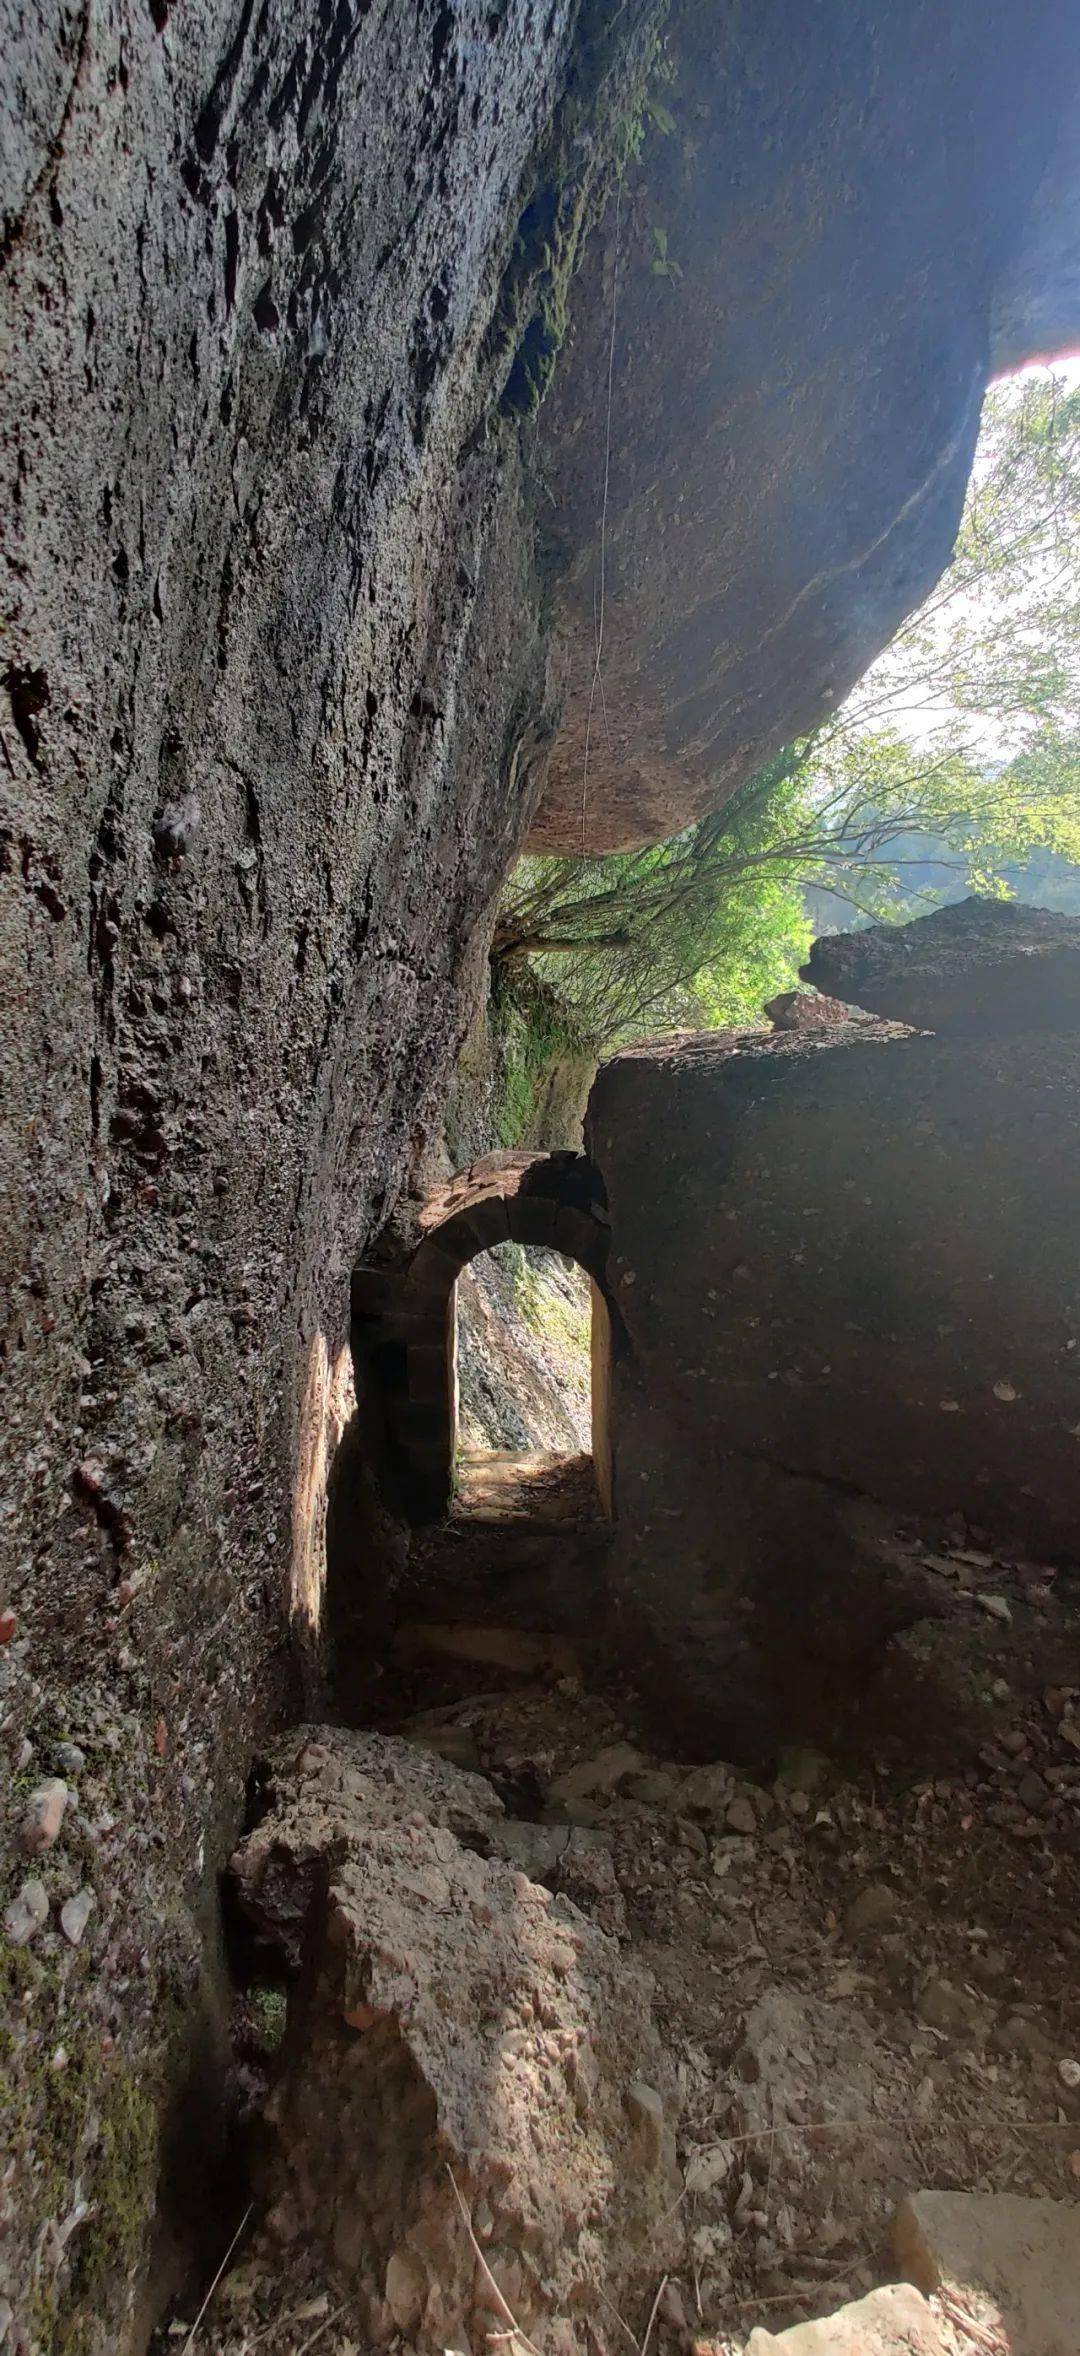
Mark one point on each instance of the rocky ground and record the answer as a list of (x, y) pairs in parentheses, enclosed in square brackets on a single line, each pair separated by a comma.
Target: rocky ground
[(865, 1969)]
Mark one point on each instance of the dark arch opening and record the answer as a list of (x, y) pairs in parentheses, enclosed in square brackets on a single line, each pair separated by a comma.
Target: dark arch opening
[(556, 1200), (530, 1348)]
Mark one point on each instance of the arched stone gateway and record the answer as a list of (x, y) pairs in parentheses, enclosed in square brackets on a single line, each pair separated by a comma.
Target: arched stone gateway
[(406, 1316)]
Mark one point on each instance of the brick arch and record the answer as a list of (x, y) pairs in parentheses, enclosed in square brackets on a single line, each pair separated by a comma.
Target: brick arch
[(555, 1199)]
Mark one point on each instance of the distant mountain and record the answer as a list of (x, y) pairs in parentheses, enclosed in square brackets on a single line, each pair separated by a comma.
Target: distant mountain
[(929, 865)]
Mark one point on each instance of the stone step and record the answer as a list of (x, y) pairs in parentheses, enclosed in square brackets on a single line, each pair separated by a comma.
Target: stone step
[(524, 1652)]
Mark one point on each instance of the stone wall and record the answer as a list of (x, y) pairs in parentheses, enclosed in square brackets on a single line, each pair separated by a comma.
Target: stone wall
[(403, 1318), (848, 1267)]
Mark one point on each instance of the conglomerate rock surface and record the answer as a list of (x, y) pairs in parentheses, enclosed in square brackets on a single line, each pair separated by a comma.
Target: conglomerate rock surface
[(456, 2028), (982, 969), (856, 215), (275, 700), (273, 683), (862, 1971)]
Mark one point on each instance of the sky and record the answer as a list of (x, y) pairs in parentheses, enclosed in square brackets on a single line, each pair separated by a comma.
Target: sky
[(918, 718), (1067, 365)]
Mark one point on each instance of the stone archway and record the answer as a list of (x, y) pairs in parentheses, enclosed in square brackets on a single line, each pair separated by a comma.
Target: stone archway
[(554, 1199)]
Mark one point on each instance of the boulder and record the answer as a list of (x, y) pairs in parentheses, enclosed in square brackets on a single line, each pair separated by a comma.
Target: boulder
[(1018, 2258), (542, 1850), (845, 1266), (895, 2321), (983, 968), (805, 1010), (327, 1777), (466, 2056), (598, 1777)]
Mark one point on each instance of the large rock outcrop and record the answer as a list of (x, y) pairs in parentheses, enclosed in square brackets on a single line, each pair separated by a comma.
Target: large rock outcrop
[(846, 1265), (980, 969), (274, 683), (858, 213), (276, 700)]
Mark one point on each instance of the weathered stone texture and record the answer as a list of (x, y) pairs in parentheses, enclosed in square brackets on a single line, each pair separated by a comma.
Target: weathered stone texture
[(275, 697), (405, 1320), (273, 685), (894, 2321), (848, 1269), (982, 969), (812, 266), (805, 1010), (454, 2021), (1016, 2262)]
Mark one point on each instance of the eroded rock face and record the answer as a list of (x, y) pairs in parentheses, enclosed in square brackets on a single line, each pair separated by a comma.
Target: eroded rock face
[(984, 968), (456, 2027), (273, 687), (276, 697), (847, 1268), (800, 356)]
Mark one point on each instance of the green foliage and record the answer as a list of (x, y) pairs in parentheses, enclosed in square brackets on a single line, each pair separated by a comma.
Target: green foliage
[(532, 1027), (562, 1317), (598, 131), (968, 727), (966, 734), (662, 265), (675, 934), (270, 2009)]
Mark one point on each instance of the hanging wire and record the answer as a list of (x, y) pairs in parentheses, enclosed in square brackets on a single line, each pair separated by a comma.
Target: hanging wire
[(597, 683)]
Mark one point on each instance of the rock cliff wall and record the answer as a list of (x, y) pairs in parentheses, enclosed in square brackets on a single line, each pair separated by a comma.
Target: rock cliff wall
[(276, 281), (856, 215), (273, 685)]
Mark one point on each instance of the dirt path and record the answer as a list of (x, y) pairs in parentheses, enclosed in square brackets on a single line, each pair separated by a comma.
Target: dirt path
[(866, 1974)]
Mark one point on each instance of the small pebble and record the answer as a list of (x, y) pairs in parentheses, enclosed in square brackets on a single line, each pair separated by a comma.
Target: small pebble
[(70, 1759), (1069, 2074), (741, 1815), (27, 1913), (75, 1915), (8, 1624), (875, 1908), (44, 1816)]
